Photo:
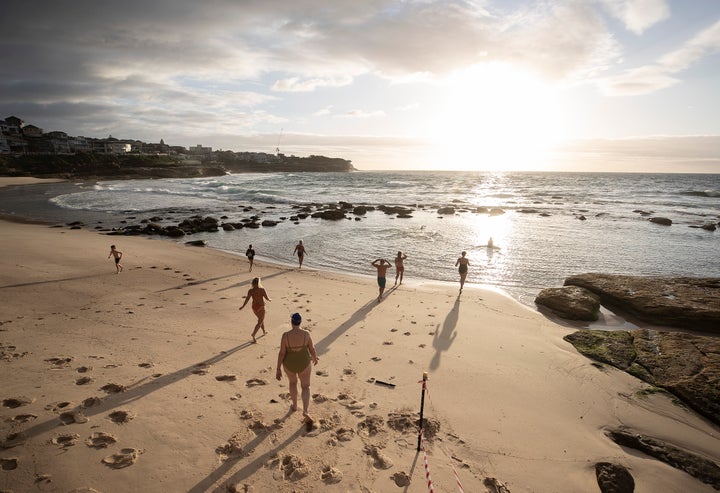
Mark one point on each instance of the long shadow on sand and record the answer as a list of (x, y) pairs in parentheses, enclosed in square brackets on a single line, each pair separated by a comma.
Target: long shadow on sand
[(247, 282), (249, 469), (50, 281), (133, 392), (444, 338), (205, 281), (323, 346)]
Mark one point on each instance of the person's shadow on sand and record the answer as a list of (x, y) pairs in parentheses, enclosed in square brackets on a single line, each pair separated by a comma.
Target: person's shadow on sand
[(253, 466), (130, 393), (322, 346), (443, 339)]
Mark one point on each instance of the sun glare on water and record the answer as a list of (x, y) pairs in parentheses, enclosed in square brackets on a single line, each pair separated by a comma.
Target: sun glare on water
[(496, 118)]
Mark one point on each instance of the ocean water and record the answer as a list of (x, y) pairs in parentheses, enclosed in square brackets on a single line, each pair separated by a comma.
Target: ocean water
[(539, 239)]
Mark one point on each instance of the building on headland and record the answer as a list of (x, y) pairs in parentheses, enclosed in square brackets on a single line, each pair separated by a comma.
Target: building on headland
[(18, 139)]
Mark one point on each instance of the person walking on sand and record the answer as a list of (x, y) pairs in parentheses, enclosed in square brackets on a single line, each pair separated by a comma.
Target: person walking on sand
[(296, 353), (300, 251), (118, 255), (258, 295), (463, 262), (399, 266), (250, 254), (382, 266)]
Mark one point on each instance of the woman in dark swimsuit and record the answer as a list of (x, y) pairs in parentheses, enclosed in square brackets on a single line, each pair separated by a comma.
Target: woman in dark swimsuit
[(463, 262), (300, 251), (296, 353)]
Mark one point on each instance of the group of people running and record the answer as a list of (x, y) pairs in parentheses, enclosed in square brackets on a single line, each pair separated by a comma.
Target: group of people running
[(297, 350)]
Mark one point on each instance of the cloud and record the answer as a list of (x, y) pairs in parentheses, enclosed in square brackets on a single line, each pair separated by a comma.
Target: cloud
[(324, 111), (661, 75), (363, 114), (295, 84), (639, 15), (186, 68)]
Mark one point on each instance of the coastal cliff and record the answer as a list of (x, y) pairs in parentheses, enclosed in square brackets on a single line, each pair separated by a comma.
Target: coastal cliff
[(112, 166)]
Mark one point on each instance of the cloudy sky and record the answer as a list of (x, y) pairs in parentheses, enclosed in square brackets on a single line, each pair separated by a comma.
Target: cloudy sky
[(606, 85)]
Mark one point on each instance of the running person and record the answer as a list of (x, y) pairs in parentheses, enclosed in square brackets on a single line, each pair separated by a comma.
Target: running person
[(258, 295), (463, 262)]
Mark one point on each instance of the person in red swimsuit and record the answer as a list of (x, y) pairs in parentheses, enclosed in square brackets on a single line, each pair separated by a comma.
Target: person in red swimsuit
[(258, 295)]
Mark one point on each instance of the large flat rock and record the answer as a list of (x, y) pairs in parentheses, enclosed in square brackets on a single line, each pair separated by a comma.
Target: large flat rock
[(686, 365), (687, 302)]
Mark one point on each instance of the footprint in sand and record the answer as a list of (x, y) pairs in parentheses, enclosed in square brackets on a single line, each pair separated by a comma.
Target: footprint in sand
[(254, 382), (231, 449), (121, 417), (331, 475), (24, 418), (380, 460), (145, 365), (84, 369), (126, 457), (239, 488), (376, 358), (226, 378), (58, 406), (9, 463), (66, 440), (290, 468), (17, 402), (113, 388), (83, 381), (90, 402), (344, 434), (58, 363), (100, 439), (370, 426), (401, 479), (72, 417)]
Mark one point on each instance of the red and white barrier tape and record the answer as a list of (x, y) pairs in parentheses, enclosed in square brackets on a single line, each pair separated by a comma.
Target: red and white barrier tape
[(447, 452)]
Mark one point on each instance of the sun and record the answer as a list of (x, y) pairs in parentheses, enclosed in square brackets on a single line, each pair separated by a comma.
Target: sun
[(496, 117)]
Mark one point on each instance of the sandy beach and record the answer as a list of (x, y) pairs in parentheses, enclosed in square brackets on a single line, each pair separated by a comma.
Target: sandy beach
[(148, 380)]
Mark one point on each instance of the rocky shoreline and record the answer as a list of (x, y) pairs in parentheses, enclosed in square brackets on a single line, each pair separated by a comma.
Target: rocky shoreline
[(684, 363)]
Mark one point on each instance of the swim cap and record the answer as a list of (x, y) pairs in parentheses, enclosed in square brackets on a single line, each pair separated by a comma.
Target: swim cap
[(296, 318)]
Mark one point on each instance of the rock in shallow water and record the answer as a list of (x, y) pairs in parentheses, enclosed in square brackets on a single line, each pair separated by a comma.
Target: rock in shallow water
[(688, 302), (571, 302)]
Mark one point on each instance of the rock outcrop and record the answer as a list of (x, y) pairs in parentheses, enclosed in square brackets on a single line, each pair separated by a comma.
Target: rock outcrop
[(687, 302), (571, 302), (695, 465), (686, 365), (614, 478)]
